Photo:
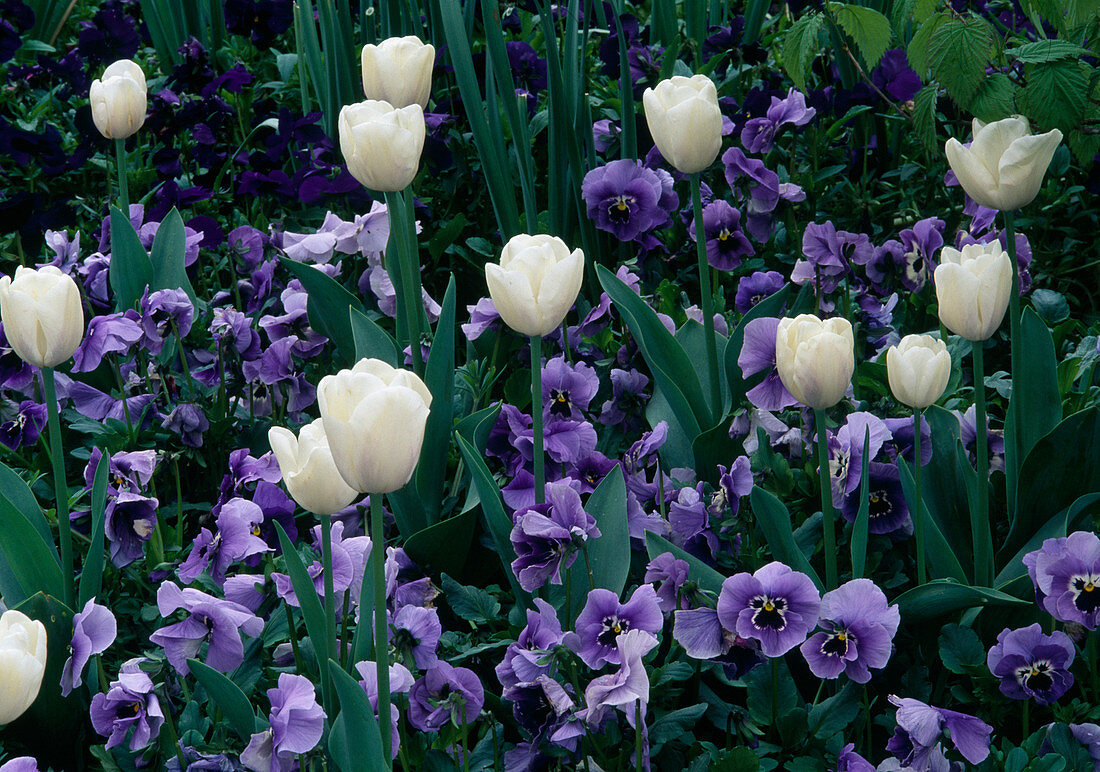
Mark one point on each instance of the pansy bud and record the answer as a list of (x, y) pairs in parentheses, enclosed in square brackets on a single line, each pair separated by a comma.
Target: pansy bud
[(815, 359), (381, 144), (918, 368), (22, 663), (536, 282), (42, 315), (684, 119), (398, 71), (973, 287), (119, 100)]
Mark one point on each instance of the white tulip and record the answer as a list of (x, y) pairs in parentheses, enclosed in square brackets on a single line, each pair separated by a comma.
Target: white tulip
[(42, 315), (309, 472), (398, 71), (536, 283), (382, 143), (22, 663), (684, 119), (815, 358), (973, 288), (918, 369), (119, 100), (1004, 165), (374, 417)]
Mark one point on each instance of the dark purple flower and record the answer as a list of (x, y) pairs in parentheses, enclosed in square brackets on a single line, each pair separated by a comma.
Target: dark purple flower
[(775, 605), (758, 133), (415, 633), (910, 259), (94, 629), (850, 761), (829, 255), (237, 538), (130, 702), (1032, 665), (920, 729), (894, 76), (233, 330), (604, 619), (761, 188), (445, 694), (628, 685), (755, 287), (568, 389), (209, 618), (163, 313), (297, 722), (859, 627), (540, 706), (25, 429), (628, 399), (887, 508), (624, 198), (130, 521), (726, 242), (758, 355), (189, 422), (995, 441), (1067, 574), (546, 536), (108, 334), (528, 658), (668, 574)]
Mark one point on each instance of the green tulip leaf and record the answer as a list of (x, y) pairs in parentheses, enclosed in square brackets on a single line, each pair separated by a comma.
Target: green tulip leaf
[(714, 447), (228, 696), (169, 255), (699, 572), (775, 521), (130, 271), (328, 308), (308, 600), (609, 553), (355, 741), (439, 375), (443, 546), (946, 490), (861, 526), (28, 559), (942, 561), (942, 596), (91, 575), (370, 340)]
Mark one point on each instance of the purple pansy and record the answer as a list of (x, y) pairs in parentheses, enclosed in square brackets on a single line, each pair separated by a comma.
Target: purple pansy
[(850, 761), (1067, 574), (20, 764), (297, 723), (604, 619), (209, 618), (94, 629), (1031, 664), (164, 313), (546, 536), (759, 133), (887, 508), (920, 729), (401, 680), (26, 427), (755, 287), (667, 573), (415, 633), (129, 702), (107, 334), (894, 76), (858, 631), (568, 389), (130, 521), (527, 659), (829, 255), (703, 637), (445, 694), (189, 422), (237, 537), (758, 355), (725, 241), (775, 605), (627, 199), (628, 685)]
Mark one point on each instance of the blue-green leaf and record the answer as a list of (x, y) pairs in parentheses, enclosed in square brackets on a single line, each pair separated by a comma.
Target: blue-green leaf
[(941, 596), (439, 375), (861, 526), (91, 575), (169, 255), (443, 546), (942, 560), (228, 696), (131, 270), (28, 561), (370, 340), (308, 599), (775, 521), (610, 553), (355, 741), (327, 307)]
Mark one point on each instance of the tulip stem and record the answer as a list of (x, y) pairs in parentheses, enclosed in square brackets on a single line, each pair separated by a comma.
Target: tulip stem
[(413, 293), (61, 489), (381, 636), (123, 177), (918, 513), (1012, 449), (708, 299), (536, 418), (979, 517), (330, 594), (828, 516)]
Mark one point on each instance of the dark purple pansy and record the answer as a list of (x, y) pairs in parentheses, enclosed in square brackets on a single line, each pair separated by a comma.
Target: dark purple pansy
[(130, 521), (894, 76), (667, 573), (758, 355), (26, 427), (725, 241), (755, 287), (887, 508), (129, 702), (546, 536), (775, 605), (1031, 664), (920, 729), (604, 619), (529, 657), (624, 198), (567, 389), (758, 134), (1067, 574), (443, 695), (858, 628)]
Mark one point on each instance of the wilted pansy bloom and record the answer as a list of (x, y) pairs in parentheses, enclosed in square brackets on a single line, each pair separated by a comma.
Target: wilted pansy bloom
[(443, 695), (528, 658), (94, 629), (220, 621), (1031, 664), (604, 619), (1067, 574), (545, 536), (775, 605), (130, 702), (627, 686), (858, 631), (920, 730)]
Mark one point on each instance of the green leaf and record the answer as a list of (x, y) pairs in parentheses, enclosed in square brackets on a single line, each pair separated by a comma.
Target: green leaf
[(941, 596), (917, 50), (775, 521), (699, 572), (228, 696), (1049, 50), (28, 562), (22, 498), (1055, 94), (714, 447), (328, 307), (942, 560), (834, 714), (91, 575), (960, 649), (370, 340), (470, 603), (308, 600), (801, 47), (924, 116), (609, 554), (675, 724), (355, 741), (996, 98), (867, 27), (959, 52), (439, 376), (443, 545), (169, 255), (861, 526), (130, 271), (906, 10)]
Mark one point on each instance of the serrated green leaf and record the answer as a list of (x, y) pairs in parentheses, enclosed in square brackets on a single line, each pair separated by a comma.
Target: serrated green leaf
[(470, 603), (1055, 94), (996, 98), (960, 648), (869, 29), (917, 50), (1047, 51), (906, 10), (959, 52), (800, 47)]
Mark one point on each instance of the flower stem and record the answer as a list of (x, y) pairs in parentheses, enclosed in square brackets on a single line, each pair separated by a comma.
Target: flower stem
[(918, 514), (775, 693), (638, 727), (411, 285), (330, 594), (381, 638), (123, 174), (1025, 718), (708, 298), (1012, 450), (170, 724), (536, 418), (828, 516), (61, 489), (979, 517)]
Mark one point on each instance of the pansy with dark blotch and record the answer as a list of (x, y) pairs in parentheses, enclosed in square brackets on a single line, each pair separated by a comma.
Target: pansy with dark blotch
[(755, 287), (725, 241), (1031, 664), (445, 694), (627, 199), (887, 508), (567, 389), (829, 255), (628, 399), (236, 538), (532, 652), (775, 605), (129, 522), (995, 438), (24, 429), (858, 627), (908, 259), (1067, 574), (546, 536), (604, 619), (131, 701), (920, 730), (862, 434)]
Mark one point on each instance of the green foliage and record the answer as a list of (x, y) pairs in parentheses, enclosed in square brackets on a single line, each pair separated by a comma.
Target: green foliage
[(958, 53), (961, 650), (1055, 94), (801, 47), (229, 697), (867, 27), (924, 116), (470, 603), (28, 559), (131, 270), (1049, 50)]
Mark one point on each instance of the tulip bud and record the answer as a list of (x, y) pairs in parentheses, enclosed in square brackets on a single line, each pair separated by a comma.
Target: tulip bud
[(381, 144), (22, 663), (536, 282), (42, 315), (308, 470), (815, 359), (918, 368), (374, 417), (973, 288), (398, 71), (119, 100), (684, 119), (1004, 165)]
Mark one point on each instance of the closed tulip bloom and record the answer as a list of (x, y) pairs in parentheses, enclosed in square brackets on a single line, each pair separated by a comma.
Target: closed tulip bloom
[(119, 100), (536, 283), (1004, 165), (22, 663), (382, 143), (684, 119), (973, 287), (398, 71), (42, 315), (374, 417), (918, 369), (308, 470), (815, 359)]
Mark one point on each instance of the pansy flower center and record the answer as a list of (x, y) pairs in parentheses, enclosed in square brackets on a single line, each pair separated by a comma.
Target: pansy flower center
[(724, 234), (1086, 592), (612, 628), (879, 504), (559, 402), (619, 211), (836, 643), (769, 612), (1037, 677)]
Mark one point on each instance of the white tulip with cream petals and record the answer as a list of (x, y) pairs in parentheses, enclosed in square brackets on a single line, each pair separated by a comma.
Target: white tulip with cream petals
[(918, 368), (684, 119), (22, 663), (374, 417), (119, 100), (1004, 166), (815, 359), (398, 71), (536, 283), (309, 472), (973, 288), (42, 314), (381, 144)]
